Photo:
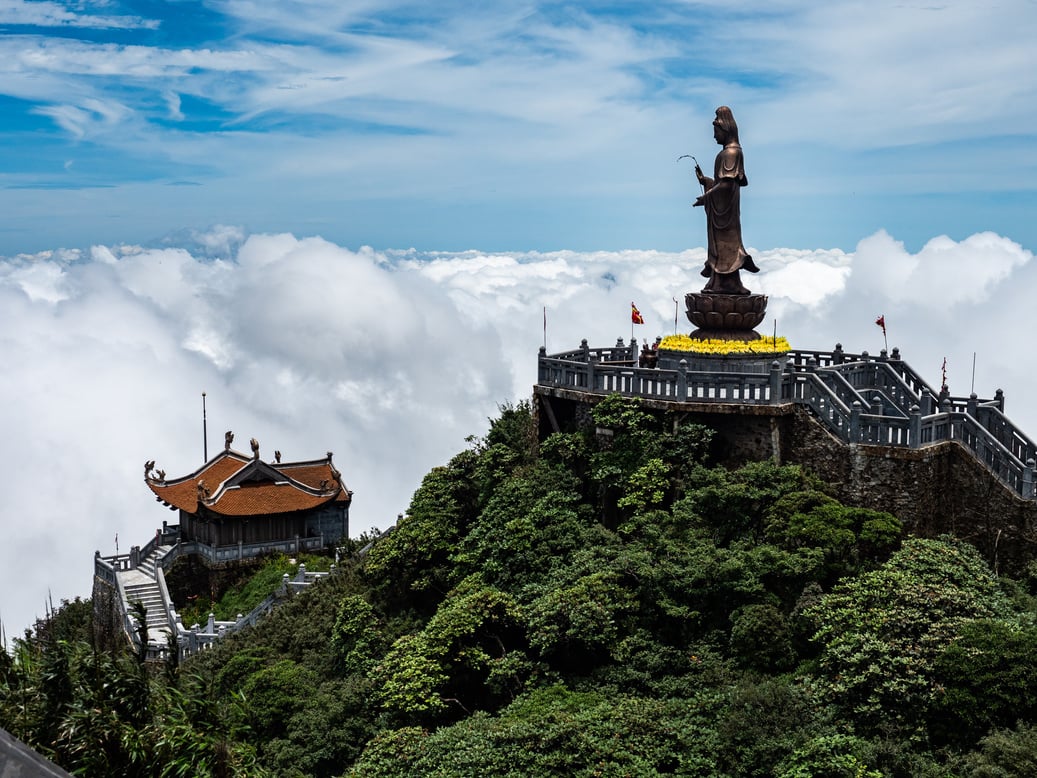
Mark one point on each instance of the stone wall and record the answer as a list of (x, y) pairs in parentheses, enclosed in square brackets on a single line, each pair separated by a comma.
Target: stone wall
[(108, 632), (933, 490)]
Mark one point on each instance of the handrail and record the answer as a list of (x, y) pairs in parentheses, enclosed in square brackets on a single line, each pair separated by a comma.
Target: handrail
[(841, 389), (167, 601)]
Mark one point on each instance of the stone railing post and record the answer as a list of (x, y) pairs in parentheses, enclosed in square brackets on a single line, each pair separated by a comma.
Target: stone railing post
[(999, 398), (210, 627), (586, 350), (619, 343), (1028, 479), (837, 354), (855, 421), (590, 377), (775, 382), (811, 365), (914, 435), (682, 380), (134, 557), (927, 403), (896, 354), (284, 584), (972, 404), (633, 349), (300, 574)]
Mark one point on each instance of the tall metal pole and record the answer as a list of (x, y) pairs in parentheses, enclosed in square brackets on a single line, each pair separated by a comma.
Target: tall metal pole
[(205, 434)]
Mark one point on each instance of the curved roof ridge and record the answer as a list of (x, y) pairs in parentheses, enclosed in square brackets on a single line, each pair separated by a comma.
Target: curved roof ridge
[(235, 483)]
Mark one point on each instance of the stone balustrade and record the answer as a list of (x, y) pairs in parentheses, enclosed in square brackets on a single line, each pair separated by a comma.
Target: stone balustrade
[(861, 399)]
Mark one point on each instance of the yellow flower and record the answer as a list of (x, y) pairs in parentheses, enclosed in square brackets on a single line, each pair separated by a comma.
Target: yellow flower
[(764, 346)]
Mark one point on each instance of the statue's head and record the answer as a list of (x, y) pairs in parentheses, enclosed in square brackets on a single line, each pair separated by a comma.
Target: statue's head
[(725, 123)]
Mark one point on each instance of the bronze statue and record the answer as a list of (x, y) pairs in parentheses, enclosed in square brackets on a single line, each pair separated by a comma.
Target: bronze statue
[(726, 254)]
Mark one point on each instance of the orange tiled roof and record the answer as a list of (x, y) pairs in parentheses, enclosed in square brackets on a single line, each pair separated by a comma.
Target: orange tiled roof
[(234, 484)]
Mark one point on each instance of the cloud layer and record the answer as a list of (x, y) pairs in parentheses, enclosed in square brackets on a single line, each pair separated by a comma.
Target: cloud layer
[(390, 359)]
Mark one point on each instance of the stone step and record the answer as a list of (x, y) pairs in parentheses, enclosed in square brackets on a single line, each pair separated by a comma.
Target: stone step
[(149, 601)]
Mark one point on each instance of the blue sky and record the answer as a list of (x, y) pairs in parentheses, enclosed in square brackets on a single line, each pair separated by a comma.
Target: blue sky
[(513, 125)]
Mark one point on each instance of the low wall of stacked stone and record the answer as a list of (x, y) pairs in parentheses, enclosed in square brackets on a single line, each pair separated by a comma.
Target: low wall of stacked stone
[(934, 490)]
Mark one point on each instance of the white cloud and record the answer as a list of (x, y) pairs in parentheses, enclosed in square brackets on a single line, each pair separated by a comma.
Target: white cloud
[(943, 275), (41, 13), (389, 359)]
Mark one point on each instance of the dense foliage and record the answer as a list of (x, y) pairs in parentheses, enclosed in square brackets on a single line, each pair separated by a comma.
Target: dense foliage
[(603, 603)]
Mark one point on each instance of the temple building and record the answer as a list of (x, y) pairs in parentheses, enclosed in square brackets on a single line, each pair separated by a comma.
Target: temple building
[(239, 499)]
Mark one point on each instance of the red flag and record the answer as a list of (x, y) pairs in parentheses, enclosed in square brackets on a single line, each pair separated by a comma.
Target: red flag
[(881, 321), (635, 315)]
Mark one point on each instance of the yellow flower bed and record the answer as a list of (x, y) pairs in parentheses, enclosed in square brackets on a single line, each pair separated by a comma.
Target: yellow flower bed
[(764, 345)]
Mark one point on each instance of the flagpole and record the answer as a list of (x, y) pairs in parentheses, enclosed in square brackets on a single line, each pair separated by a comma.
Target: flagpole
[(676, 310)]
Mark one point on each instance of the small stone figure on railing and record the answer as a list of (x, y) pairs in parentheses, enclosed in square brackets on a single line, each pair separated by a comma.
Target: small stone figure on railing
[(649, 354)]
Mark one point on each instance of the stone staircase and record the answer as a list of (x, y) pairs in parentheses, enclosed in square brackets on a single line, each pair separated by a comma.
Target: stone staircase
[(141, 584)]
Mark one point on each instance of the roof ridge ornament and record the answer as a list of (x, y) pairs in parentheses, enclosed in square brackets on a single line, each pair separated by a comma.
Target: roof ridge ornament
[(228, 438), (255, 448)]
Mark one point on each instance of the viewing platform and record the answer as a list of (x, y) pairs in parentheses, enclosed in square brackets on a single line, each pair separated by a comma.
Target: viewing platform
[(860, 399)]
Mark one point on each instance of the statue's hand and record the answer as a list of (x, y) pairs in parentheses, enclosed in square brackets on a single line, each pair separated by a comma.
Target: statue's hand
[(700, 201)]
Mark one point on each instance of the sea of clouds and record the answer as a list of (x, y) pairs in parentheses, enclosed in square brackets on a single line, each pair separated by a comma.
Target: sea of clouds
[(391, 359)]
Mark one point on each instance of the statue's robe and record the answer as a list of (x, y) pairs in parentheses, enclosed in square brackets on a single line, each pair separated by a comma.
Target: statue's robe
[(726, 255)]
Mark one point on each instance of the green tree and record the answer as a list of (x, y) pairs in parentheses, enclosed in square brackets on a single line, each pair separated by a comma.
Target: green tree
[(1006, 753), (412, 565), (469, 656), (985, 679), (358, 638), (882, 632)]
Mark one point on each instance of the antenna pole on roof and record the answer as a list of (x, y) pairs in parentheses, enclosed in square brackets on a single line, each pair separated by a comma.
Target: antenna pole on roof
[(205, 435)]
